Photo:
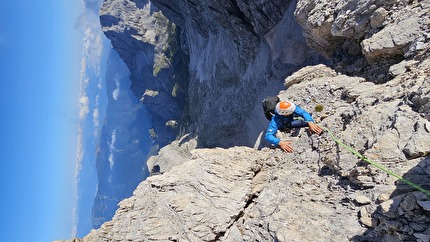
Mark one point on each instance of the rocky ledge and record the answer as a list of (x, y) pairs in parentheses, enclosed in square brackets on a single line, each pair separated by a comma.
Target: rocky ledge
[(321, 192), (375, 99)]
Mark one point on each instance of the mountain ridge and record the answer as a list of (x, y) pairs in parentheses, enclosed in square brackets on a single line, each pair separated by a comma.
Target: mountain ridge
[(374, 94)]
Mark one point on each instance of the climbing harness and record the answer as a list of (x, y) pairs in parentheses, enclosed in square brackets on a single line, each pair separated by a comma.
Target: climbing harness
[(425, 191)]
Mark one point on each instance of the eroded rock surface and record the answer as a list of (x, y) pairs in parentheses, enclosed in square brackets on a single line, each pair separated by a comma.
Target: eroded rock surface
[(375, 99), (321, 192), (235, 47), (356, 34)]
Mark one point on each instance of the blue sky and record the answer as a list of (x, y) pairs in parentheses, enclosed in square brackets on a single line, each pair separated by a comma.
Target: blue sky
[(47, 49)]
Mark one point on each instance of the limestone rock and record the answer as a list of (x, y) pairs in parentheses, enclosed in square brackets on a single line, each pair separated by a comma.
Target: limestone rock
[(382, 198), (382, 31), (309, 73), (390, 41), (378, 17), (244, 194), (224, 195), (174, 154), (365, 217), (235, 47), (401, 67), (362, 200)]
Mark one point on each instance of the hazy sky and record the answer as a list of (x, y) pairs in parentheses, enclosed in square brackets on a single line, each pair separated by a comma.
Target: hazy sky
[(45, 49)]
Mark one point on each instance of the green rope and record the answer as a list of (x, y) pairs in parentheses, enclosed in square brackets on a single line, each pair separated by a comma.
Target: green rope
[(377, 165)]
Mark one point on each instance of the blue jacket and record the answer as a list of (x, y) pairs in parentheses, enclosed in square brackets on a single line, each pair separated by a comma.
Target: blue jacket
[(279, 120)]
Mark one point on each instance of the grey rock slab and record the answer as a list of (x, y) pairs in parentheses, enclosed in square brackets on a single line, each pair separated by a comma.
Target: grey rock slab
[(424, 204), (362, 200), (391, 40)]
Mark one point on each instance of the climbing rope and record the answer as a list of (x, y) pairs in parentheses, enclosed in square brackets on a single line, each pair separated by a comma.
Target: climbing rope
[(419, 188)]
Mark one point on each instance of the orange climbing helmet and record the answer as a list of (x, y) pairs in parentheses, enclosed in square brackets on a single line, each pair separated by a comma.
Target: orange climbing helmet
[(285, 108)]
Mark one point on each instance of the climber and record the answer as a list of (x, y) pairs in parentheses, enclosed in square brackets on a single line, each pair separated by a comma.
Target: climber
[(285, 113)]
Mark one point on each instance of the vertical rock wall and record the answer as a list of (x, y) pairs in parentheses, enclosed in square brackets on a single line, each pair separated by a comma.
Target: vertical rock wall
[(320, 192), (237, 52)]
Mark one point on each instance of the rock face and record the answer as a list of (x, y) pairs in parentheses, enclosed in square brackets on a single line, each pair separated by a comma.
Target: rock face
[(231, 47), (380, 122), (375, 99), (235, 47), (236, 194), (321, 192), (357, 34)]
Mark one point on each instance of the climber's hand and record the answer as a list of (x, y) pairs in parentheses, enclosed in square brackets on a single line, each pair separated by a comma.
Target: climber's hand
[(314, 128), (286, 146)]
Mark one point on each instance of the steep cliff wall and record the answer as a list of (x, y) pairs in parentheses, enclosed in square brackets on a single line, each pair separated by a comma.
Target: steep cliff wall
[(231, 48), (321, 192), (235, 48), (156, 51)]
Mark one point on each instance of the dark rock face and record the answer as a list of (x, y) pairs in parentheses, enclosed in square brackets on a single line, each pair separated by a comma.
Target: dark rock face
[(232, 47), (245, 22), (235, 47)]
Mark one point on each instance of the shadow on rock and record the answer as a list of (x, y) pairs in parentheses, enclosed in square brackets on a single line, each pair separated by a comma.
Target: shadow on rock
[(405, 214)]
